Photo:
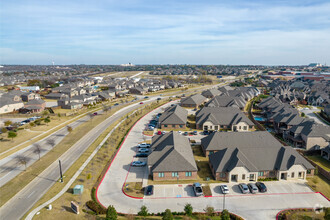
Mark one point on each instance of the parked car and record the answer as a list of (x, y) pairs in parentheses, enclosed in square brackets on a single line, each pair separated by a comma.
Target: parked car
[(261, 186), (142, 155), (146, 97), (150, 190), (180, 132), (253, 188), (206, 132), (143, 145), (138, 164), (224, 189), (163, 132), (116, 104), (198, 189), (159, 98), (186, 133), (159, 132), (95, 113), (244, 188), (141, 103), (195, 132), (159, 114), (143, 150)]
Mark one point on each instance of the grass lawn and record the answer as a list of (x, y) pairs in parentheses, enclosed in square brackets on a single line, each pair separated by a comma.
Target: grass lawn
[(134, 189), (325, 164), (319, 184)]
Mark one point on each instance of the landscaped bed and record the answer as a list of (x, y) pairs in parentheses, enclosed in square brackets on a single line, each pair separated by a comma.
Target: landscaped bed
[(304, 214)]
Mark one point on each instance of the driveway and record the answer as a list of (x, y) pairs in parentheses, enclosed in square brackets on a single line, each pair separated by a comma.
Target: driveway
[(310, 114)]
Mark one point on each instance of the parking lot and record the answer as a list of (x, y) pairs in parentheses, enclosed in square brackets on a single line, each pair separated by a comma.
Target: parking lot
[(273, 188)]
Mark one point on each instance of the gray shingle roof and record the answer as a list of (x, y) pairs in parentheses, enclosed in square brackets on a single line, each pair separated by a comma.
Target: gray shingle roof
[(221, 140), (193, 100), (171, 152), (174, 115), (257, 159), (211, 92), (226, 101), (221, 116)]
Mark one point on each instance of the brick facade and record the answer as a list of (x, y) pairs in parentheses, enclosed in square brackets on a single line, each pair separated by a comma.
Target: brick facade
[(168, 176)]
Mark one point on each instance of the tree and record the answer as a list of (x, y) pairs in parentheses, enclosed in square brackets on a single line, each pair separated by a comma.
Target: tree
[(302, 114), (12, 135), (69, 128), (111, 213), (51, 142), (4, 130), (23, 160), (225, 215), (8, 122), (32, 124), (47, 120), (143, 211), (59, 116), (37, 149), (188, 209), (167, 215)]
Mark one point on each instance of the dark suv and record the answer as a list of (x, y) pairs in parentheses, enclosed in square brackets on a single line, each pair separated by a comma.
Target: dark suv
[(261, 186), (150, 190)]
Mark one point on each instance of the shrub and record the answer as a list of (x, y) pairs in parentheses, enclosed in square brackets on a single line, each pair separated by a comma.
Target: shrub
[(188, 209), (97, 208), (225, 215), (167, 215)]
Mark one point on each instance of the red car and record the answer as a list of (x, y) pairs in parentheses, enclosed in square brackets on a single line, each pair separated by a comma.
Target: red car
[(141, 103), (159, 132)]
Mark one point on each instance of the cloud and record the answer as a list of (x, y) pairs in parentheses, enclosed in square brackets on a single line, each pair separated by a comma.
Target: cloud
[(123, 30)]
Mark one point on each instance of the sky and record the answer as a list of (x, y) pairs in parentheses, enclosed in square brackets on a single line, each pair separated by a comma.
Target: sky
[(235, 32)]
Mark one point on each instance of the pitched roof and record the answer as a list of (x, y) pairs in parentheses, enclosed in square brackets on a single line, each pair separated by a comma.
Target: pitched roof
[(174, 115), (211, 92), (193, 100), (221, 140), (311, 129), (171, 152), (35, 102), (226, 101), (221, 116), (257, 159)]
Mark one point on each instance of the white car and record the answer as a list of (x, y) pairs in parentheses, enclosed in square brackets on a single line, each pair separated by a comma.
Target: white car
[(143, 145), (224, 189), (143, 150)]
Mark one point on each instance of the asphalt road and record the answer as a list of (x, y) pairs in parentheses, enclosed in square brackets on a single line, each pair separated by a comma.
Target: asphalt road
[(10, 167), (310, 114), (17, 206)]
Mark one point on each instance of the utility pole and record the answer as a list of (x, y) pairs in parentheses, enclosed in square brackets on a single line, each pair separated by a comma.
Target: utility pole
[(59, 161)]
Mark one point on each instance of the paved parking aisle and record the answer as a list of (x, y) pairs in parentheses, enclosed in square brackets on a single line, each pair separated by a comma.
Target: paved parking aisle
[(172, 191)]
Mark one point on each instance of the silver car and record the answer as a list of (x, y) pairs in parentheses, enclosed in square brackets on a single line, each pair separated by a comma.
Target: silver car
[(253, 188), (244, 188), (224, 189)]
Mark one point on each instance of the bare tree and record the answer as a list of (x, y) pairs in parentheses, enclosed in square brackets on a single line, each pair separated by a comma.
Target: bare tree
[(91, 116), (51, 143), (23, 160), (37, 149)]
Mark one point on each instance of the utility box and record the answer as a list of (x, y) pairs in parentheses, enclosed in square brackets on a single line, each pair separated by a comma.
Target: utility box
[(78, 190)]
